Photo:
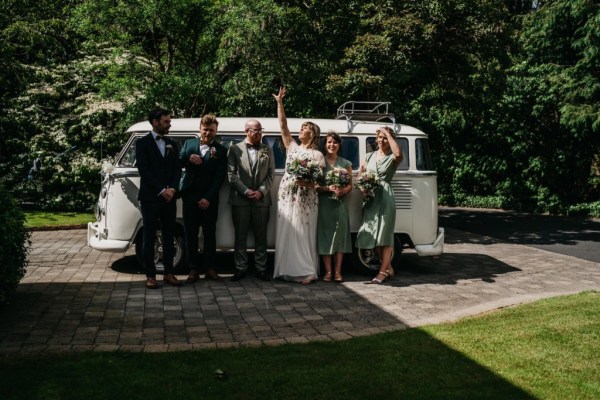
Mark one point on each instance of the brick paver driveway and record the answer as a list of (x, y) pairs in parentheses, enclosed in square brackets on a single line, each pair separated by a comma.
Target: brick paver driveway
[(74, 298)]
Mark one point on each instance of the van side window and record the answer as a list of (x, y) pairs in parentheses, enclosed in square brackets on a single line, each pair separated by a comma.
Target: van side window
[(402, 142), (349, 149), (279, 152), (423, 157), (127, 159), (228, 140)]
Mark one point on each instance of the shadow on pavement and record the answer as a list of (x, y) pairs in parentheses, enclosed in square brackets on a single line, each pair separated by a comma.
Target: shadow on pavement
[(577, 237)]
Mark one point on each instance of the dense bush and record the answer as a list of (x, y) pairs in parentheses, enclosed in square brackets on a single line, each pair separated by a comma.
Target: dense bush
[(14, 244)]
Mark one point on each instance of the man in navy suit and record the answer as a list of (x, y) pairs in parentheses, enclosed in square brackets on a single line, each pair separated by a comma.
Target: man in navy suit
[(205, 162), (160, 172)]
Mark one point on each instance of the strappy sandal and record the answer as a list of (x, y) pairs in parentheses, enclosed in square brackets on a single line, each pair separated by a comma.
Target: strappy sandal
[(327, 277), (390, 271), (338, 277), (377, 281)]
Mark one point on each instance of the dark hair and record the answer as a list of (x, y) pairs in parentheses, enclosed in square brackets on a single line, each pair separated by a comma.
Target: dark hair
[(336, 137), (208, 120), (157, 114)]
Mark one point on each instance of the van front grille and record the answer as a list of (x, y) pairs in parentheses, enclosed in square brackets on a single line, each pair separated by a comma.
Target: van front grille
[(402, 193)]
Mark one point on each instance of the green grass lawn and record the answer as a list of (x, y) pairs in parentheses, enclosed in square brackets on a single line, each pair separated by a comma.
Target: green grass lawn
[(43, 219), (547, 350)]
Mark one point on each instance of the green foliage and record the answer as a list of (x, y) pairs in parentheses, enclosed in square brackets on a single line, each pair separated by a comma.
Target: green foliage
[(508, 91), (586, 210), (14, 244)]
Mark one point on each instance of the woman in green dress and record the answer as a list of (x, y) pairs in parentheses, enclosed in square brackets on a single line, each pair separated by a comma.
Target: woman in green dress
[(379, 214), (333, 224)]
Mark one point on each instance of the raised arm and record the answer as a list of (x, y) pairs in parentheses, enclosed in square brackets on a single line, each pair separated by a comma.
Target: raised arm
[(286, 136), (396, 151)]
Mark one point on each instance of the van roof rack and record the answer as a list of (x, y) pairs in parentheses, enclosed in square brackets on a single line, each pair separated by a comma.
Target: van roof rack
[(366, 111)]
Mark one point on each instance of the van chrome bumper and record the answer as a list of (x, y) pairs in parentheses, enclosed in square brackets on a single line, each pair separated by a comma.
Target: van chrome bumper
[(434, 249), (96, 242)]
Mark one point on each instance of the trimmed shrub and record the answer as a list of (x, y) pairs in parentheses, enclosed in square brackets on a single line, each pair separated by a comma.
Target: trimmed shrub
[(14, 245)]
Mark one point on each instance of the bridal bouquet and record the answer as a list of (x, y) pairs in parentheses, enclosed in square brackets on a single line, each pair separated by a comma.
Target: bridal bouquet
[(367, 182), (305, 169), (337, 177)]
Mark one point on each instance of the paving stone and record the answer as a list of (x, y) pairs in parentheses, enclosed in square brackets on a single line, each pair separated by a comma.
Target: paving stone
[(73, 298)]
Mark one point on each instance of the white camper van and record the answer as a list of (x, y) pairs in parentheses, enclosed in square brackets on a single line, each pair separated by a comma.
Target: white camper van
[(119, 220)]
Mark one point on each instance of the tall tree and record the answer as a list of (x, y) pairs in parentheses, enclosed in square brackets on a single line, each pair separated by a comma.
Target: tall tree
[(553, 107)]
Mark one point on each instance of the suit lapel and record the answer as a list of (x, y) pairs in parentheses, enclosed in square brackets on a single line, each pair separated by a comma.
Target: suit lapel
[(154, 146), (246, 162)]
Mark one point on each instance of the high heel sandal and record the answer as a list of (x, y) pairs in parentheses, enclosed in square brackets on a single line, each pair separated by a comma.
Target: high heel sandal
[(338, 277), (327, 277), (390, 271), (377, 281)]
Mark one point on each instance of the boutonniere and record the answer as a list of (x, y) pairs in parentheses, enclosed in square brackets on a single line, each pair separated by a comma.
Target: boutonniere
[(213, 153), (169, 149), (263, 153)]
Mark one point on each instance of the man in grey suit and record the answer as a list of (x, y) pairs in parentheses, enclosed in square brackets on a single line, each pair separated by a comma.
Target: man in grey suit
[(250, 169)]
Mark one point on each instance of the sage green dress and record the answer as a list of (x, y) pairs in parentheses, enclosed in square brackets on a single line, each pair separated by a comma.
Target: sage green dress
[(333, 224), (379, 214)]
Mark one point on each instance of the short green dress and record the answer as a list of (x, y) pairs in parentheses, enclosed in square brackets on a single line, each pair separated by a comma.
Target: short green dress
[(333, 224), (379, 214)]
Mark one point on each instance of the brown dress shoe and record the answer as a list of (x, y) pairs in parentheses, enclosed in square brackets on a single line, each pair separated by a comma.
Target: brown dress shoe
[(151, 283), (192, 277), (212, 275), (170, 279)]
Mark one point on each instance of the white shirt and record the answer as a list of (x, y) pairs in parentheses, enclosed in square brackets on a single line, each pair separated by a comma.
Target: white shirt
[(162, 146), (252, 152)]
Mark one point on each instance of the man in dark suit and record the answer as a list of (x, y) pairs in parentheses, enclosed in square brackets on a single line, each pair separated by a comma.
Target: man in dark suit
[(159, 169), (205, 162), (250, 169)]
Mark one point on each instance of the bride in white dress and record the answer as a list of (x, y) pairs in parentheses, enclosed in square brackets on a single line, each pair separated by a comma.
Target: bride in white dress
[(296, 257)]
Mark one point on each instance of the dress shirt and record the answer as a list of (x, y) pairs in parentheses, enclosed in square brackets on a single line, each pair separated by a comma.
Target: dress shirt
[(160, 142), (252, 152)]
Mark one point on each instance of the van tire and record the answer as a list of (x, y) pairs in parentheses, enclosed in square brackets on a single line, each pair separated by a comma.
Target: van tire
[(366, 261), (178, 260)]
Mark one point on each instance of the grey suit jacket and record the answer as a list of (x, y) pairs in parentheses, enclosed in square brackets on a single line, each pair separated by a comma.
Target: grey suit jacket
[(243, 176)]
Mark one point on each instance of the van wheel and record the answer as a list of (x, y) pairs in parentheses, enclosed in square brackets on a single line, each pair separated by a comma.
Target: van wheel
[(367, 262), (178, 259)]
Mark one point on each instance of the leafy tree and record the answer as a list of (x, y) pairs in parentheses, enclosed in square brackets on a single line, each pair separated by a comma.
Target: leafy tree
[(553, 107)]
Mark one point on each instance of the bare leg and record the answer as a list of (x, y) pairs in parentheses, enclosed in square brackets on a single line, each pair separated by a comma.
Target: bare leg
[(327, 263), (385, 255), (339, 257)]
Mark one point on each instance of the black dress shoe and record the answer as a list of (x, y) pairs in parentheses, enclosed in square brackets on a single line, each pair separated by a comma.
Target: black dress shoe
[(238, 276), (212, 275), (263, 276)]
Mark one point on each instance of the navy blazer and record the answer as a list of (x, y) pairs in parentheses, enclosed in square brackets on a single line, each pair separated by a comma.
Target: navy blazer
[(209, 175), (156, 172)]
